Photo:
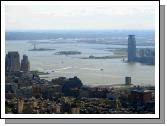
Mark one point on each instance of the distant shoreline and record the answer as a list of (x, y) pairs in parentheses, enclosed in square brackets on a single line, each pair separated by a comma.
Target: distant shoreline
[(103, 57), (68, 53), (39, 72)]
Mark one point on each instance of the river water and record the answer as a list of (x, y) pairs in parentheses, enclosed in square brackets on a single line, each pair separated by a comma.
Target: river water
[(88, 70)]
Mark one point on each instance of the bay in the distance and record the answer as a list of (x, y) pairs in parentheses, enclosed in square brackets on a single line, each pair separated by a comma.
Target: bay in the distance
[(89, 43)]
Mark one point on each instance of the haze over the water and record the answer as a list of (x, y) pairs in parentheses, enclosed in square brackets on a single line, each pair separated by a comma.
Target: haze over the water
[(82, 17)]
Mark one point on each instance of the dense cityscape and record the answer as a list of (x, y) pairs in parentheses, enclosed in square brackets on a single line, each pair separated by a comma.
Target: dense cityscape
[(27, 93)]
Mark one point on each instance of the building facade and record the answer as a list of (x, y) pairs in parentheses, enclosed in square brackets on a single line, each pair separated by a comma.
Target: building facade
[(12, 61), (25, 65), (128, 80), (131, 48)]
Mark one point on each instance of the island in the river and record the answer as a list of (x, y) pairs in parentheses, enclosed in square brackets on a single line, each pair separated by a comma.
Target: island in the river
[(117, 53), (41, 49), (68, 53), (103, 57)]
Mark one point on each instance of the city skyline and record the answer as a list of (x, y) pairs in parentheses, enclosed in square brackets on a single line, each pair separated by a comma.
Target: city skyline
[(80, 66), (34, 95)]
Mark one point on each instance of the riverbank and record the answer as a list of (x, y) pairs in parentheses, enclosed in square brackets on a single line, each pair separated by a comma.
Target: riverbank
[(36, 72)]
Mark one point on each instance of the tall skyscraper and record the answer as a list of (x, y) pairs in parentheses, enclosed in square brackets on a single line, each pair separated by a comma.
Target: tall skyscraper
[(12, 61), (131, 48), (25, 65), (6, 63)]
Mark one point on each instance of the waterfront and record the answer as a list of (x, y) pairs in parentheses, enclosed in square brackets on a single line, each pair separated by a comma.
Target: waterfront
[(114, 70)]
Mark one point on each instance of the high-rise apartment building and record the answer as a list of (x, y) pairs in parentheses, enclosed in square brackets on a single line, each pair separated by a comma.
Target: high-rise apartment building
[(12, 61), (25, 65), (131, 48)]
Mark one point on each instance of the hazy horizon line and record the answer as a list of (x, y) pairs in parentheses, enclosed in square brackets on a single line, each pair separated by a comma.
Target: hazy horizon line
[(19, 30)]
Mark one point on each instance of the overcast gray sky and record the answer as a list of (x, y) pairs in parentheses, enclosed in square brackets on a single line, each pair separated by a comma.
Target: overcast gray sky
[(50, 17)]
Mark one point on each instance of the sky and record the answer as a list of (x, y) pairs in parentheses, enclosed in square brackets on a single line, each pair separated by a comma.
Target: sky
[(82, 17)]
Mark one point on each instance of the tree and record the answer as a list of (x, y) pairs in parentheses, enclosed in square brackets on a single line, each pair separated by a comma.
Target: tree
[(70, 84)]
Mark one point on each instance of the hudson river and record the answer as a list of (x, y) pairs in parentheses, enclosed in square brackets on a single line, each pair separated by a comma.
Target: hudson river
[(90, 71)]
